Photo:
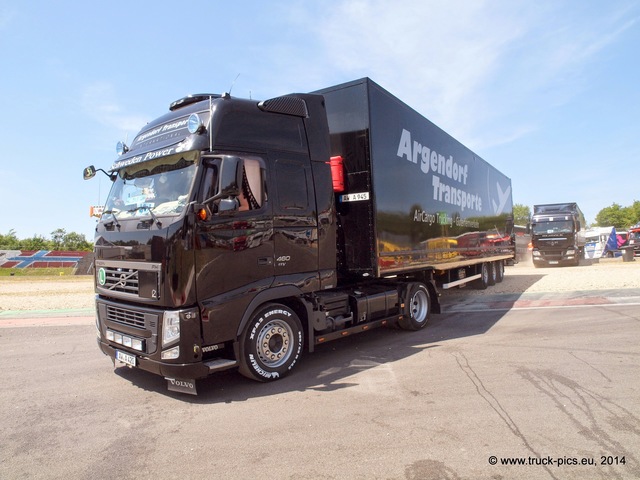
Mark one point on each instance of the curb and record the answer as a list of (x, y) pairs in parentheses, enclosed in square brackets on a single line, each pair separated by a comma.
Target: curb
[(65, 312)]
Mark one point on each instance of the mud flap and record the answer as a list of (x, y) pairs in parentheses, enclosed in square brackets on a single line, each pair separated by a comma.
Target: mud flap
[(181, 385)]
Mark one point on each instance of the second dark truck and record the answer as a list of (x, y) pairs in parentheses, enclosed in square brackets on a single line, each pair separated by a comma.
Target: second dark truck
[(557, 234)]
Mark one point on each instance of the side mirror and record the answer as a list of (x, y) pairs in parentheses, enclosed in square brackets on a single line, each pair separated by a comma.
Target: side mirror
[(228, 205), (89, 172), (230, 178)]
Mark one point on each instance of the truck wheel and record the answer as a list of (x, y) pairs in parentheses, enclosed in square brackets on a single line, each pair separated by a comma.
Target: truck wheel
[(483, 282), (499, 271), (271, 343), (417, 307), (493, 273)]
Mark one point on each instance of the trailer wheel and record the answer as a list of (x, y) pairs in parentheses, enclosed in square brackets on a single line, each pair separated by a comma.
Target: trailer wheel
[(483, 282), (417, 307), (493, 273), (499, 271), (271, 343)]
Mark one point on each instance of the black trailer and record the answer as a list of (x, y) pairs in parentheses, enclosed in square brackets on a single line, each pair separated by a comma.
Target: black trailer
[(415, 198)]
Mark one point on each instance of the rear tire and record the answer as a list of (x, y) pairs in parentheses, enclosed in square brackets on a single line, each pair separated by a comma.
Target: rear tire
[(483, 282), (271, 343), (417, 307), (493, 273), (499, 271)]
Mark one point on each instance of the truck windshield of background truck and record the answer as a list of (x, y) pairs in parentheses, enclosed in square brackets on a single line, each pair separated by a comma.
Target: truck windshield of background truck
[(544, 228), (161, 187)]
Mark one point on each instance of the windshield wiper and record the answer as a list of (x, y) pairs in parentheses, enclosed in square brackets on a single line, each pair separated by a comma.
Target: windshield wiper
[(115, 219), (153, 215)]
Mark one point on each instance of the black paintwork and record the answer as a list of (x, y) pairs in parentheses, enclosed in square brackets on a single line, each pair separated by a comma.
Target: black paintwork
[(230, 261), (299, 247), (367, 126)]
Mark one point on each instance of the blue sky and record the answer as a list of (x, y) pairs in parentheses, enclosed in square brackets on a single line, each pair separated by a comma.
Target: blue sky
[(546, 91)]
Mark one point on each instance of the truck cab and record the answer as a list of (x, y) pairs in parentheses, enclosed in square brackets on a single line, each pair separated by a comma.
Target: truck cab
[(218, 205), (557, 235)]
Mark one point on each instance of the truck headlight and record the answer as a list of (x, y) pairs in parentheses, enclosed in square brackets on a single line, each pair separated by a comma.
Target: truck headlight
[(571, 251), (170, 327), (536, 253)]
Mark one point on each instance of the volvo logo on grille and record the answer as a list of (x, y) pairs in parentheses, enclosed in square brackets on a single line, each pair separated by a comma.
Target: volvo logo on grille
[(122, 282)]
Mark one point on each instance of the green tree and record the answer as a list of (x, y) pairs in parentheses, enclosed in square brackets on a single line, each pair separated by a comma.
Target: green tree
[(635, 209), (75, 241), (57, 237), (61, 240), (521, 214), (9, 241), (37, 242), (615, 215)]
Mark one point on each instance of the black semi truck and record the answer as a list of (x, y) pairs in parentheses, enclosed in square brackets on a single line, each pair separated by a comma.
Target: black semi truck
[(557, 234), (240, 233)]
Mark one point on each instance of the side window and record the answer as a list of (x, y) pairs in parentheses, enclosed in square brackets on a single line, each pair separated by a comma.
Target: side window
[(292, 186), (251, 189), (252, 192)]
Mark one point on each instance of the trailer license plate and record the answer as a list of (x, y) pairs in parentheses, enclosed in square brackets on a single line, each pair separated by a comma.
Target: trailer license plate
[(354, 197), (126, 358)]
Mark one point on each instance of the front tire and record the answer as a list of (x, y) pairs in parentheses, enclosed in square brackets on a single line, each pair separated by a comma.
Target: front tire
[(271, 343), (417, 307)]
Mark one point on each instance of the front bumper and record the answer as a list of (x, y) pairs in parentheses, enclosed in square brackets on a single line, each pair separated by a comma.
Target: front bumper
[(174, 370), (555, 257), (123, 327)]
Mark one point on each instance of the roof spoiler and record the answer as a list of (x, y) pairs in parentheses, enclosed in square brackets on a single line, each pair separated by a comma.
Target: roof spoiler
[(287, 105)]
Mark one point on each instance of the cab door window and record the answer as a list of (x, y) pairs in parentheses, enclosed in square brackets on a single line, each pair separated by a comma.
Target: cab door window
[(251, 192)]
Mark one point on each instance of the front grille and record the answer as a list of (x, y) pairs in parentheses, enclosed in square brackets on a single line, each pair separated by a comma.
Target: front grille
[(124, 280), (129, 323), (128, 279), (125, 316)]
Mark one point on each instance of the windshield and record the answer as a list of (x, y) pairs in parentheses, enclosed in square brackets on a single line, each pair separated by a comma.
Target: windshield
[(542, 228), (159, 187)]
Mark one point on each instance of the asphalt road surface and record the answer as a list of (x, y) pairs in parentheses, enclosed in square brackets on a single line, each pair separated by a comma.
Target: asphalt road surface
[(497, 387)]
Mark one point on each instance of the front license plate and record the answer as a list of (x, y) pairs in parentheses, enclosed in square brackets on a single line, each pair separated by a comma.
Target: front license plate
[(126, 358), (553, 262)]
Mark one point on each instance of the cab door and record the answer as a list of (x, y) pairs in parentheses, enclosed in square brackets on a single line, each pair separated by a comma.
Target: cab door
[(295, 220), (234, 249)]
